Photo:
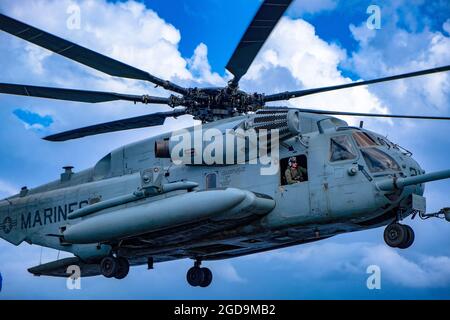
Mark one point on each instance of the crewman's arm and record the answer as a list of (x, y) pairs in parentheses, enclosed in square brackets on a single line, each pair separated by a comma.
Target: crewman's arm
[(303, 171), (301, 174)]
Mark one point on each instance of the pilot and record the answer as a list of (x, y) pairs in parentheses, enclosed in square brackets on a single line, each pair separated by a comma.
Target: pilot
[(294, 173)]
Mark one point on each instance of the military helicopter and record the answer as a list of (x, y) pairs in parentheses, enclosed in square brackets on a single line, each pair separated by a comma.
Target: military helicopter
[(141, 205)]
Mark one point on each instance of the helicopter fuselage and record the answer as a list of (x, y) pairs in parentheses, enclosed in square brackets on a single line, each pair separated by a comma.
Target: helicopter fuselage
[(339, 194)]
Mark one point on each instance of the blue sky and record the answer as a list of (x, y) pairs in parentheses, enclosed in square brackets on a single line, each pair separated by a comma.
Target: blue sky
[(319, 43)]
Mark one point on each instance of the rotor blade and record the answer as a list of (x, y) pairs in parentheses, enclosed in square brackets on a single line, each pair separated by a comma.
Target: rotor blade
[(76, 95), (80, 54), (375, 115), (265, 20), (150, 120), (301, 93)]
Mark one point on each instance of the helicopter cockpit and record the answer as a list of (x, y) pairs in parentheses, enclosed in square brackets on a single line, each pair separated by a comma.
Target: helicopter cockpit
[(379, 154), (376, 159)]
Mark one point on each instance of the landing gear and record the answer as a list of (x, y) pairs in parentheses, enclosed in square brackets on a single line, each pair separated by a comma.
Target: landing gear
[(207, 277), (109, 267), (397, 235), (123, 269), (112, 267), (199, 277), (411, 236)]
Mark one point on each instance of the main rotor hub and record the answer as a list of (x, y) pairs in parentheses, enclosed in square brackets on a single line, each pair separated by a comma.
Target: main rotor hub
[(210, 104)]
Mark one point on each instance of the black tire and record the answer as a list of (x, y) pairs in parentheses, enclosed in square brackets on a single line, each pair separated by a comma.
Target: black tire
[(195, 276), (207, 277), (109, 266), (395, 234), (409, 240), (123, 269)]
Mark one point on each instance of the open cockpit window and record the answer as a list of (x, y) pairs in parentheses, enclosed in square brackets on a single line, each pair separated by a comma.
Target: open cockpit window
[(341, 148), (294, 170), (378, 161)]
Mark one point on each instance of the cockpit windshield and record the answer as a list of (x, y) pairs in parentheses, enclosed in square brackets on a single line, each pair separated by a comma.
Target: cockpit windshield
[(378, 161), (363, 139)]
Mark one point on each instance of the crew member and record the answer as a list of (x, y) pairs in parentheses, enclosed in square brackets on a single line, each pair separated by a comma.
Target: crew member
[(295, 173)]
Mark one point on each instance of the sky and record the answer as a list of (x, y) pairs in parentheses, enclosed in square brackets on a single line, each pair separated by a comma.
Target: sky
[(318, 43)]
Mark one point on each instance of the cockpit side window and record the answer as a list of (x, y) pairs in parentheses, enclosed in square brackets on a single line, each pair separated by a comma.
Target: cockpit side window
[(378, 161), (341, 148), (363, 140)]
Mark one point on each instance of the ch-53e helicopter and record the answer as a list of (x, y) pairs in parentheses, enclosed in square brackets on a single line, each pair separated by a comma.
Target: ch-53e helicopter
[(141, 205)]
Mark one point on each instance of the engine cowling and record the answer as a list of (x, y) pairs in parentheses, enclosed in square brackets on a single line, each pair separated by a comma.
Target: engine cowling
[(250, 139)]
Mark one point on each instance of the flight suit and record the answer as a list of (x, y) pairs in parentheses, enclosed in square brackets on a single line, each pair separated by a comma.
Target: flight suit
[(295, 175)]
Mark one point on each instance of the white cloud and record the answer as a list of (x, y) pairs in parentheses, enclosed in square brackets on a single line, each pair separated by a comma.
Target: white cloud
[(392, 50), (152, 46), (362, 34), (199, 65), (228, 272), (352, 259), (34, 127), (426, 272)]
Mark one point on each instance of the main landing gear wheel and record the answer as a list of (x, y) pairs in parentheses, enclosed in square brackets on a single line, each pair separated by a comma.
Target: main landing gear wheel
[(207, 277), (410, 238), (397, 235), (123, 269), (109, 266), (114, 267), (199, 277)]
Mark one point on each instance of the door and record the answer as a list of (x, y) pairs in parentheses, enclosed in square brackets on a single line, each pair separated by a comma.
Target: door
[(293, 190)]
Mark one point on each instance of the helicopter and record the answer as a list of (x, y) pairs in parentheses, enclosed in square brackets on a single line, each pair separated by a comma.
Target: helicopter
[(259, 178)]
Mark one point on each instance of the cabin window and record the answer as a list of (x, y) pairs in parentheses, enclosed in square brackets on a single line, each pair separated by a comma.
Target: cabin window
[(378, 161), (211, 181), (341, 148), (363, 140), (293, 170)]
